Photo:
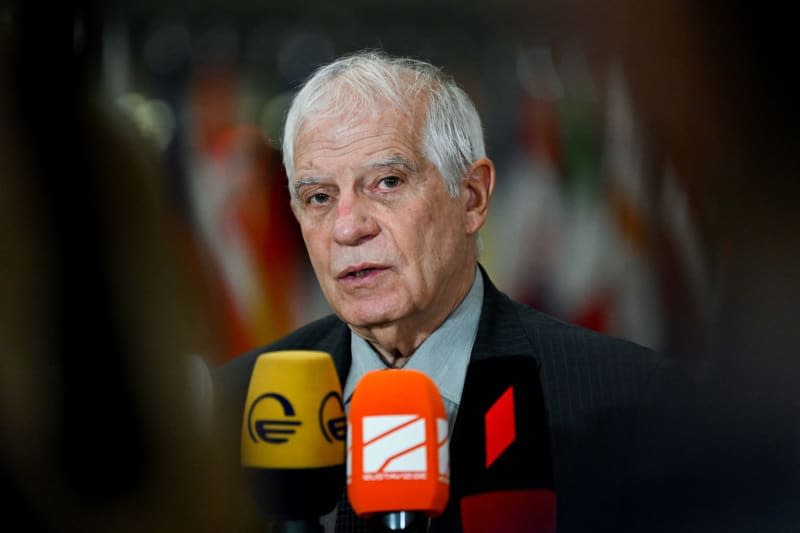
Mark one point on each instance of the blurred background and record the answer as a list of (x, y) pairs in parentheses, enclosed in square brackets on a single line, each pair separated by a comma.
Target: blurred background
[(646, 156), (580, 209)]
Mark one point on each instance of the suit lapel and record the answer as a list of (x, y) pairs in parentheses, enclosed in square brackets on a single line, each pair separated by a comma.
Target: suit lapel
[(500, 330)]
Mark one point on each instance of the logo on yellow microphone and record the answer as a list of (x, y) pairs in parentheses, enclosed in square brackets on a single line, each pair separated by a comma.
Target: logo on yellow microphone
[(275, 430), (294, 415), (281, 424), (332, 421), (283, 435)]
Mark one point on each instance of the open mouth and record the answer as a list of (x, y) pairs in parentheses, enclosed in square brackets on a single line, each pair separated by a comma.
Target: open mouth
[(360, 272)]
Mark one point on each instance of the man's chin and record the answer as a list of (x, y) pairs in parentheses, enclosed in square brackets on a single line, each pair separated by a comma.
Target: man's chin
[(367, 318)]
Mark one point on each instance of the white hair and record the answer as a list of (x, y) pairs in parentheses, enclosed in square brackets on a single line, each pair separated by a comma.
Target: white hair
[(452, 137)]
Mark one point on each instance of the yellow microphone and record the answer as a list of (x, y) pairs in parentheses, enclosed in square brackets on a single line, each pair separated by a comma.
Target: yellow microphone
[(293, 436)]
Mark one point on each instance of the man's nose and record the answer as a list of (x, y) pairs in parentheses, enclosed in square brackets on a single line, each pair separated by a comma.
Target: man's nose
[(354, 221)]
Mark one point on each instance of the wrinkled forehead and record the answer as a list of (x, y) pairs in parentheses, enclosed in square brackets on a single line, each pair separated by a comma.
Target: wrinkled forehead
[(335, 118)]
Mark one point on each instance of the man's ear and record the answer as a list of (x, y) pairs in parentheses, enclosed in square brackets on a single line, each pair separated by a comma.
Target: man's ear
[(477, 189)]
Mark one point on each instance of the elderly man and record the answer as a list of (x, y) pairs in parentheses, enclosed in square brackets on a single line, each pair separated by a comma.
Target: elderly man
[(390, 183)]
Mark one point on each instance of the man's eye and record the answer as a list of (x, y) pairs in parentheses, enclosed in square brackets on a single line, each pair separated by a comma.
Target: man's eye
[(319, 198), (389, 182)]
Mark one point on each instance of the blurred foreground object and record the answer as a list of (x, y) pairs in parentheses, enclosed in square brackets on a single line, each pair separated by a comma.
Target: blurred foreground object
[(717, 97), (102, 373)]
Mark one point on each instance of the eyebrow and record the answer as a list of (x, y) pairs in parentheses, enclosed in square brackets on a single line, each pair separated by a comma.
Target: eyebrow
[(394, 161), (304, 182)]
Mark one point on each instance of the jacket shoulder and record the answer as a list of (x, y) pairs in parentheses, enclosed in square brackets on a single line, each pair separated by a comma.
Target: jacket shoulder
[(586, 371), (551, 335)]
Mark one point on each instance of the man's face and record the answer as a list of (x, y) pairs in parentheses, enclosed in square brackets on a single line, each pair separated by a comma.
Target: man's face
[(388, 244)]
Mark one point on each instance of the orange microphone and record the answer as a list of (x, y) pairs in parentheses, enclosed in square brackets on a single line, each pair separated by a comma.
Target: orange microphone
[(398, 473)]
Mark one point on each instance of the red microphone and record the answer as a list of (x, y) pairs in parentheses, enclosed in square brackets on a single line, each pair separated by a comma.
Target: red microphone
[(398, 473)]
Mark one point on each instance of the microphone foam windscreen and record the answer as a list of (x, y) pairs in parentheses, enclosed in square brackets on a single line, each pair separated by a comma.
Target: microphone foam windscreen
[(501, 457), (293, 434), (501, 440), (398, 445)]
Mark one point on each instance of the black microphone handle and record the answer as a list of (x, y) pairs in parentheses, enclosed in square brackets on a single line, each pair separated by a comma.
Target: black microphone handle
[(403, 521)]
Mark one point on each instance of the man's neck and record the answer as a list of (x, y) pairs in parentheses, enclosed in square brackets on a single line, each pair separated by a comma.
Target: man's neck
[(396, 342), (393, 360), (396, 347)]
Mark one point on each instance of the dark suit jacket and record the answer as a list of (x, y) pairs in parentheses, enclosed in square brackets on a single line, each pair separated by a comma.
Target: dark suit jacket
[(603, 397)]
